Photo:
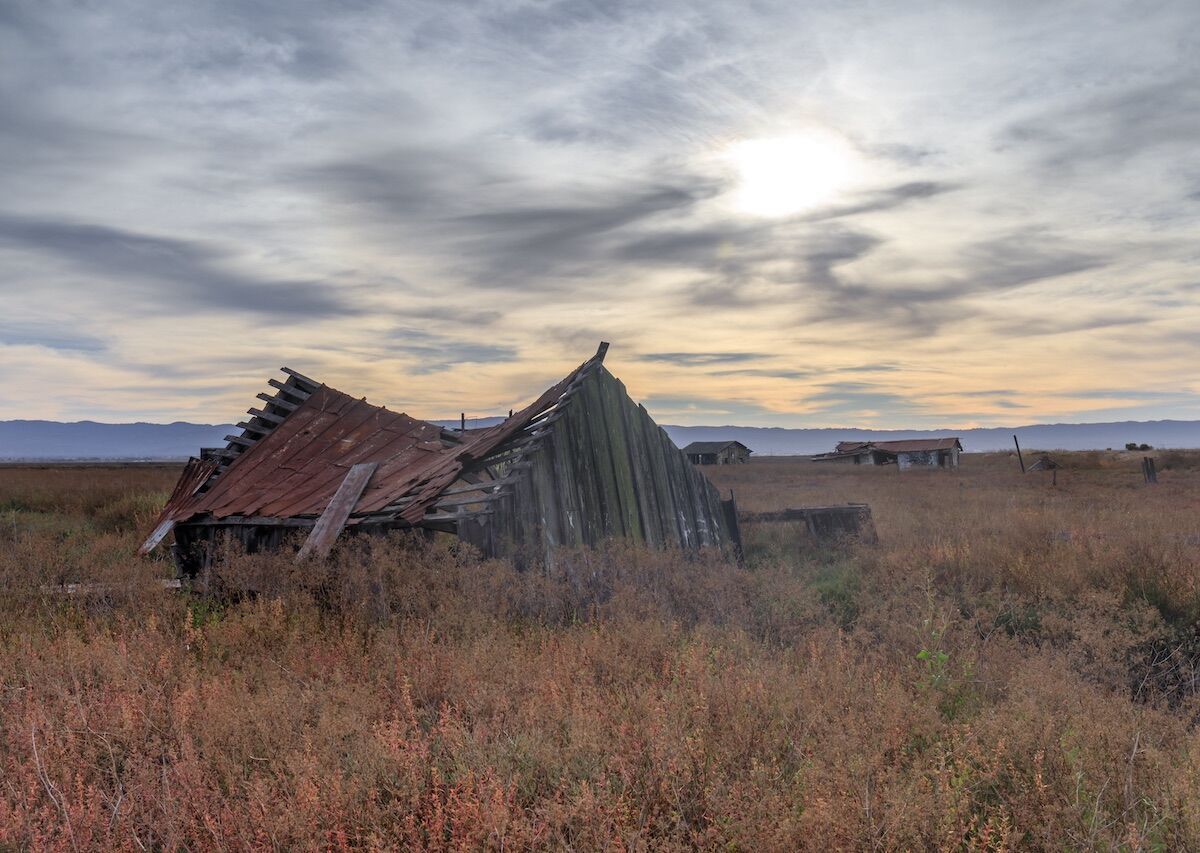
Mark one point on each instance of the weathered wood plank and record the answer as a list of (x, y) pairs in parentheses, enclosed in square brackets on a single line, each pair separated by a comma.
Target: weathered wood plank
[(255, 521), (312, 384), (822, 521), (571, 444), (487, 485), (105, 588), (258, 429), (467, 500), (437, 517), (729, 508), (613, 395), (609, 510), (558, 452), (652, 475), (276, 400), (266, 416), (333, 519), (663, 498), (291, 390), (156, 536)]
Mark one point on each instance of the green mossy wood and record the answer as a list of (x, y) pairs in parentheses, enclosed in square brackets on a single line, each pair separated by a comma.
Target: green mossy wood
[(606, 470)]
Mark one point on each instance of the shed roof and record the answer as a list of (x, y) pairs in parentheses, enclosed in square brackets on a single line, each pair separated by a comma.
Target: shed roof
[(296, 465), (1044, 463), (912, 445), (711, 446)]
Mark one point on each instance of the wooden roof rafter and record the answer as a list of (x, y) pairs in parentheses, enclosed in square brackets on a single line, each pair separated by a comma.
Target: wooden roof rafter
[(538, 426), (289, 396), (512, 453)]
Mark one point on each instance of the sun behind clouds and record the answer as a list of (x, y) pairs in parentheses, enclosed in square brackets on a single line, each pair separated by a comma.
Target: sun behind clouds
[(784, 175)]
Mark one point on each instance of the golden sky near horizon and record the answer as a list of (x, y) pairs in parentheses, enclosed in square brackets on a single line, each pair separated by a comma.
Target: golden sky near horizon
[(786, 215)]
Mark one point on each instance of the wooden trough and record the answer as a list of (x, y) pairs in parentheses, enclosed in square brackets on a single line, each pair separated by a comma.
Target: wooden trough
[(824, 522)]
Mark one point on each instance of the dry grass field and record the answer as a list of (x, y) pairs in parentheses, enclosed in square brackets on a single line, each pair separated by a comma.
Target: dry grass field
[(1012, 666)]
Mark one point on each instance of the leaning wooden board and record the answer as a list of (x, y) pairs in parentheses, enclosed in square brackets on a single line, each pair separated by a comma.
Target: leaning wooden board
[(333, 519)]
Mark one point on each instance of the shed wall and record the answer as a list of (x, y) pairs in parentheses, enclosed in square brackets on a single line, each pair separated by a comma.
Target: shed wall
[(606, 470)]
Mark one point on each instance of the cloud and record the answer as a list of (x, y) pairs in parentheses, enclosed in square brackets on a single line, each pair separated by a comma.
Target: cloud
[(1129, 394), (533, 243), (869, 368), (700, 359), (997, 264), (1114, 126), (766, 372), (859, 401), (478, 217), (433, 353), (1023, 327), (458, 315), (403, 184), (991, 392), (456, 196), (886, 199), (197, 273), (52, 336)]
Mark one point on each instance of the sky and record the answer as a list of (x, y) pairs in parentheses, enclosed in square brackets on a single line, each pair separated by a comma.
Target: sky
[(894, 215)]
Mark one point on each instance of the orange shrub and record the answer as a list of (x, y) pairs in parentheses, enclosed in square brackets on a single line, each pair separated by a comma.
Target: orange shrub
[(1000, 672)]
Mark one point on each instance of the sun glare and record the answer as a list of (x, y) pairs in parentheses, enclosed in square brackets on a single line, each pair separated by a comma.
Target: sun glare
[(783, 175)]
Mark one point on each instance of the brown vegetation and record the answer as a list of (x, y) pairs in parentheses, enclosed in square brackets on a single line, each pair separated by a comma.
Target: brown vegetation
[(1011, 667)]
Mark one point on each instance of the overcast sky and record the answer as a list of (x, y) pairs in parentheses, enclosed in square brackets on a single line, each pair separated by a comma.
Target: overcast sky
[(797, 214)]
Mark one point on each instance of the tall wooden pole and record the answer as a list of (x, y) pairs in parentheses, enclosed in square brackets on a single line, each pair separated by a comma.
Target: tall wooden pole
[(1020, 458)]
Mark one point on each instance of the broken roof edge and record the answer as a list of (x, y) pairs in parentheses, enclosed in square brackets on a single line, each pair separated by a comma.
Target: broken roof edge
[(902, 445), (460, 454)]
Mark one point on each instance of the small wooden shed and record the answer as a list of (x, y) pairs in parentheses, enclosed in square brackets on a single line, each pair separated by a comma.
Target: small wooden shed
[(910, 453), (717, 452)]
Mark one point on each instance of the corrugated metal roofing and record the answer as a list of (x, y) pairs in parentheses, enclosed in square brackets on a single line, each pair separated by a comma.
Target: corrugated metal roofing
[(296, 466), (913, 445)]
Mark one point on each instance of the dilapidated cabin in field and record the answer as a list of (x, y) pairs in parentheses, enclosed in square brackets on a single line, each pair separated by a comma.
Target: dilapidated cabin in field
[(1044, 462), (717, 453), (580, 464), (912, 453)]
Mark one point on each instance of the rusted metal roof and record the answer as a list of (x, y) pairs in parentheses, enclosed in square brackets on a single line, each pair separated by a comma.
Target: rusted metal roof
[(851, 446), (195, 474), (291, 463), (913, 445)]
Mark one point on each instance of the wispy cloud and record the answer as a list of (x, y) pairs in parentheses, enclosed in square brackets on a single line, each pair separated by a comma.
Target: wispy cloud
[(700, 359), (166, 272), (449, 202)]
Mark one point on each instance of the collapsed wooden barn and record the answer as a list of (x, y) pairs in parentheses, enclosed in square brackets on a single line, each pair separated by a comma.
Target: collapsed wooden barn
[(581, 464)]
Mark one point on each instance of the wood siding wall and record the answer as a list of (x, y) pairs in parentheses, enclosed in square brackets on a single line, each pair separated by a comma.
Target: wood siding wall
[(606, 470)]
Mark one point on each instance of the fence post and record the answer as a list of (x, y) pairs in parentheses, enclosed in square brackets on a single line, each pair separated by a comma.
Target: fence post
[(729, 508)]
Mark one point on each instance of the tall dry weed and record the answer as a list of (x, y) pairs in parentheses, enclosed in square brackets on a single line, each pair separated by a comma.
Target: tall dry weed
[(1007, 669)]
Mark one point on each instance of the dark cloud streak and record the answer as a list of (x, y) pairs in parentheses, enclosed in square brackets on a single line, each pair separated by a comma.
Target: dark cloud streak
[(177, 269)]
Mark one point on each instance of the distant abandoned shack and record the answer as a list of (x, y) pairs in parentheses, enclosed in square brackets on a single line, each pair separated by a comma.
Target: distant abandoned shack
[(913, 453), (1044, 462), (581, 464), (717, 453)]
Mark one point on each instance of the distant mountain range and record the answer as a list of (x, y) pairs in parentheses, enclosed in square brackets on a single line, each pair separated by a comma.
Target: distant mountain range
[(779, 441), (36, 440), (91, 440)]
